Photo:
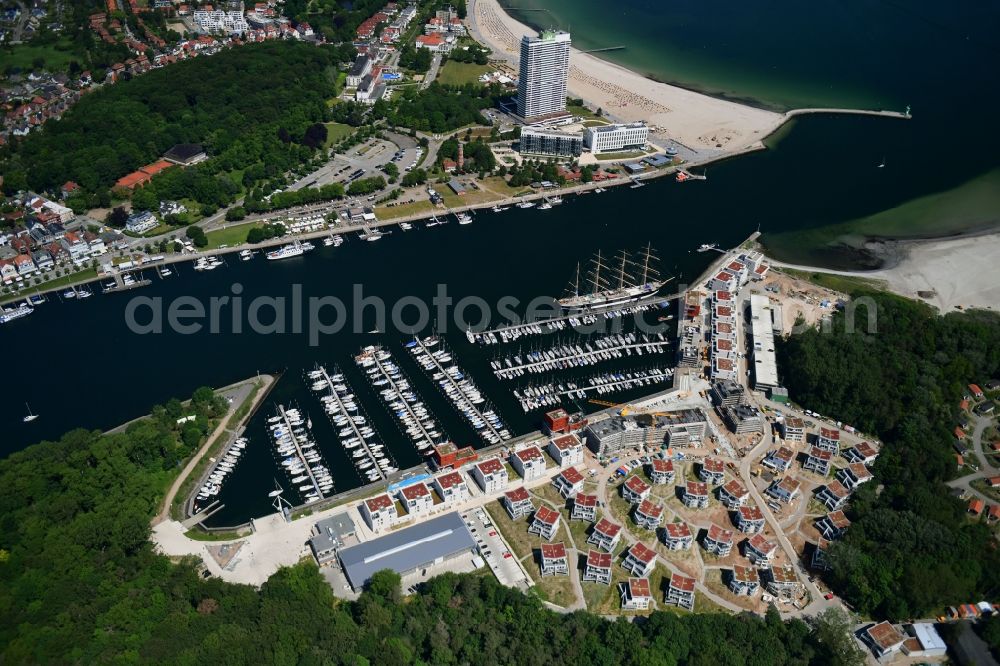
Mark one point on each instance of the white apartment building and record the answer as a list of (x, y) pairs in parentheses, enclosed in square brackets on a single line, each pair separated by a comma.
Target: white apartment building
[(219, 21), (614, 138), (544, 68)]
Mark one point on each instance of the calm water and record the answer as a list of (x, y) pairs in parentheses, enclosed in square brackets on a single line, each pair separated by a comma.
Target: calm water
[(84, 368)]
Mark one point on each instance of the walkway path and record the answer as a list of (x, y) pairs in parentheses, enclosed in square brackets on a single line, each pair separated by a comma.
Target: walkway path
[(987, 469)]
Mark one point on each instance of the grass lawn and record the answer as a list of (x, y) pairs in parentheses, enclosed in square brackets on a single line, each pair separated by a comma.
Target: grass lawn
[(230, 236), (629, 155), (842, 283), (30, 287), (402, 210), (581, 111), (460, 73), (595, 123), (337, 131), (56, 56)]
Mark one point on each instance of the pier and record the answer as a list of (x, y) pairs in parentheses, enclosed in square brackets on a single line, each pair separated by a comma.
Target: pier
[(513, 332), (558, 358), (495, 434), (298, 449), (354, 426), (398, 389), (550, 395)]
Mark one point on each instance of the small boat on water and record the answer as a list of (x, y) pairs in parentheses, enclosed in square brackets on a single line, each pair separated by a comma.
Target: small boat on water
[(500, 209), (165, 271), (30, 417), (464, 218), (296, 249), (69, 293), (10, 314), (545, 206), (705, 247), (526, 204), (246, 255)]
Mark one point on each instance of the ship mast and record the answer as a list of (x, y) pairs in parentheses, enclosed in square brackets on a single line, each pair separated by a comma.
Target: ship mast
[(576, 281), (595, 277), (646, 270)]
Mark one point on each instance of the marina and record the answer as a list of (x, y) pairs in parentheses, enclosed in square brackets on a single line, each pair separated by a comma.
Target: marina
[(579, 354), (221, 468), (298, 454), (412, 416), (550, 395), (358, 437), (576, 321), (458, 388)]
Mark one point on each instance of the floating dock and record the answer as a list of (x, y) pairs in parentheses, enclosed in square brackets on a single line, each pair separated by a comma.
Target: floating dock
[(287, 421), (581, 353)]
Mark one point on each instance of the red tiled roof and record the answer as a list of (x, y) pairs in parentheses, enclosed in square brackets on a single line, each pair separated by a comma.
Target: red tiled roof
[(491, 466), (976, 506), (713, 465), (762, 545), (529, 454), (682, 583), (744, 574), (735, 488), (836, 488), (820, 454), (416, 491), (678, 530), (553, 551), (664, 466), (582, 499), (637, 485), (838, 519), (607, 528), (566, 442), (866, 449), (716, 533), (430, 40), (642, 553), (638, 587), (450, 480), (723, 295), (751, 513), (650, 509), (696, 488), (597, 558), (829, 433), (518, 494), (546, 515), (572, 476), (860, 471), (378, 503)]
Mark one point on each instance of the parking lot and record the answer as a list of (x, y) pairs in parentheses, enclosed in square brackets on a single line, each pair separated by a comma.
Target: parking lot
[(499, 558)]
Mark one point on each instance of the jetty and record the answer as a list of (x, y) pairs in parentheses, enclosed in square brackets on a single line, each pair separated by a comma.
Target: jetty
[(287, 421), (342, 409), (581, 353)]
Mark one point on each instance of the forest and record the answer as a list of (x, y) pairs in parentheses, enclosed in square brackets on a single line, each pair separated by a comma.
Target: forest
[(249, 106), (80, 583), (911, 549)]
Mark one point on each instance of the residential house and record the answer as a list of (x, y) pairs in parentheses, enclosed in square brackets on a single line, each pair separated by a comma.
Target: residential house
[(724, 281), (661, 472), (862, 453), (452, 487), (976, 507), (8, 271), (635, 594), (518, 502), (566, 450), (744, 580), (785, 490), (379, 512), (605, 535), (598, 567), (883, 639), (584, 507), (677, 536), (545, 523), (24, 264), (733, 495), (818, 460), (417, 498), (43, 260), (854, 475), (529, 463), (781, 580), (75, 245), (833, 525), (639, 560), (833, 495), (491, 475), (713, 471), (568, 482), (718, 540), (975, 391), (635, 489), (829, 440), (759, 550), (696, 495), (681, 591), (648, 515), (779, 459), (140, 222), (819, 560), (554, 560), (793, 429), (750, 519)]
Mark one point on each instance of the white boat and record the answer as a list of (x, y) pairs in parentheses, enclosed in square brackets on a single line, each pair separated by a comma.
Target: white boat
[(405, 226), (526, 204), (165, 272), (69, 293), (705, 247), (10, 314), (83, 292), (545, 206), (30, 417), (464, 218), (246, 255), (295, 249)]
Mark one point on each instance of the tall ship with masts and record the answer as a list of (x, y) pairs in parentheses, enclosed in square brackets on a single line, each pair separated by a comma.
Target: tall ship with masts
[(609, 282)]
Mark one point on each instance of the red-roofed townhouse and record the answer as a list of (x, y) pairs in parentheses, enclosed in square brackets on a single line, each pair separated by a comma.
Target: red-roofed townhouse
[(744, 581), (661, 472), (759, 550), (677, 536), (733, 495), (862, 453), (554, 560), (833, 495), (568, 482), (696, 495), (529, 463), (749, 519), (635, 489), (491, 475), (451, 487), (779, 459), (648, 515), (713, 471), (566, 450), (416, 498), (605, 535), (379, 512), (854, 475), (818, 460), (883, 639), (598, 568), (829, 440), (545, 523), (718, 540), (785, 490), (635, 594), (518, 503), (639, 560), (833, 525), (584, 507), (681, 591)]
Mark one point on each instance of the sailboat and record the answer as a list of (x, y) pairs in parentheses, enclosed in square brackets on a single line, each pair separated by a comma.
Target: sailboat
[(882, 164), (617, 288), (30, 417)]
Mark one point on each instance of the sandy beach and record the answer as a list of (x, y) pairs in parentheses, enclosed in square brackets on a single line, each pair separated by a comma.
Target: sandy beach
[(945, 272), (704, 124)]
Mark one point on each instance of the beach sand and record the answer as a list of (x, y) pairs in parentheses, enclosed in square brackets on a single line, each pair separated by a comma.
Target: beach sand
[(706, 125)]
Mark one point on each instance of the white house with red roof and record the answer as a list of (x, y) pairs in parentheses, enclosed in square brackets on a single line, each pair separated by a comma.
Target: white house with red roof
[(854, 475), (713, 471), (759, 550), (779, 459), (518, 502), (529, 463), (677, 536), (635, 594), (605, 535), (696, 495), (566, 450), (661, 472), (379, 512), (724, 281), (785, 490), (554, 561), (417, 498), (718, 540), (818, 460), (491, 475), (681, 591), (833, 525), (829, 440), (639, 560), (648, 514), (862, 453), (833, 495), (452, 487), (635, 490), (545, 524), (568, 482), (744, 580), (598, 567), (733, 495), (584, 507), (749, 519)]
